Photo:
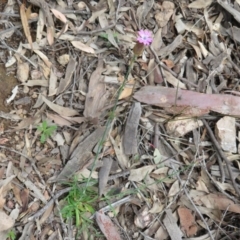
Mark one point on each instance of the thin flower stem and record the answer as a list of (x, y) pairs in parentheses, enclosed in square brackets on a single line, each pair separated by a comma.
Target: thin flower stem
[(110, 119)]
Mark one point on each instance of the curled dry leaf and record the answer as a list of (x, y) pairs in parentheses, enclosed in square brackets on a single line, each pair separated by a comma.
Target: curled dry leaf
[(127, 91), (61, 17)]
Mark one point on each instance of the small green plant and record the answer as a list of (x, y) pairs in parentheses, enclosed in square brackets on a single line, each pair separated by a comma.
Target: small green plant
[(46, 131), (79, 205), (11, 235), (106, 37)]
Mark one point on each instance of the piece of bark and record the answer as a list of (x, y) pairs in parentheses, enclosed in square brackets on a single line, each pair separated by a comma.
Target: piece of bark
[(225, 132), (103, 175), (188, 103), (130, 133), (81, 155)]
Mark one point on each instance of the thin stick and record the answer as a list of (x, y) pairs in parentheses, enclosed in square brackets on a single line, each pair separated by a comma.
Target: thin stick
[(218, 148), (55, 197), (191, 201), (40, 177), (169, 70)]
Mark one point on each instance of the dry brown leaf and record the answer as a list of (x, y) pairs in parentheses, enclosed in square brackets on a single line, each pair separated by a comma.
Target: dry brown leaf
[(25, 25), (169, 63), (107, 227), (17, 191), (44, 58), (201, 186), (50, 35), (218, 201), (6, 221), (139, 174), (163, 17), (75, 120), (52, 90), (200, 4), (44, 68), (27, 122), (121, 157), (58, 120), (59, 15), (97, 94), (128, 89), (65, 82), (63, 111), (81, 154), (46, 214), (24, 195), (174, 81), (175, 188), (83, 47), (40, 26), (187, 221)]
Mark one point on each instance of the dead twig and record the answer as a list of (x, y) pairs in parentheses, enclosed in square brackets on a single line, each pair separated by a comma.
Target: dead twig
[(40, 177), (169, 70), (96, 31), (42, 210), (191, 201), (218, 148)]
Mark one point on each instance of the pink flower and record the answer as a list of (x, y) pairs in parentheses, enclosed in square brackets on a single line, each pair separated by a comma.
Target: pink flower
[(144, 37)]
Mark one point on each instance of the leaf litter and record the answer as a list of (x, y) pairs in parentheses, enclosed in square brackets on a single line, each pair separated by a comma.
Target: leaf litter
[(168, 167)]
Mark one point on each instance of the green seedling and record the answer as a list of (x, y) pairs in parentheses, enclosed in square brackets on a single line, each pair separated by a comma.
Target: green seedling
[(106, 37), (79, 205), (46, 131), (11, 235)]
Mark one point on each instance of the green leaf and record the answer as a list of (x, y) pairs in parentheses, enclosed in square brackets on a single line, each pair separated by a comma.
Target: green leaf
[(43, 138), (157, 156)]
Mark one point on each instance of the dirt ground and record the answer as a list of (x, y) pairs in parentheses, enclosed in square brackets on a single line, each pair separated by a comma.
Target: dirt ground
[(119, 119)]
